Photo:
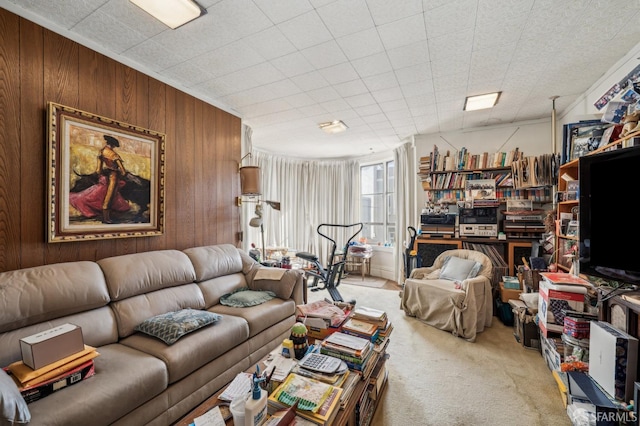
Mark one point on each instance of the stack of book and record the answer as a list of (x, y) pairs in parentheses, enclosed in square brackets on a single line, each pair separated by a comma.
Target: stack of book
[(36, 384), (317, 401), (356, 351), (378, 318), (323, 317)]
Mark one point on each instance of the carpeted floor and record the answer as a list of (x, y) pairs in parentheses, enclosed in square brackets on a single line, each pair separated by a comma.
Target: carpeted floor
[(438, 379), (355, 279)]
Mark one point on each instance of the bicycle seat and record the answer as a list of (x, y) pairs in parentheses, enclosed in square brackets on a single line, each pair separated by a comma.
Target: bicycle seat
[(307, 256)]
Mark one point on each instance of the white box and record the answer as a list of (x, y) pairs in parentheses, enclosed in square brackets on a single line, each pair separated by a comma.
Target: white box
[(51, 345), (551, 299), (613, 358)]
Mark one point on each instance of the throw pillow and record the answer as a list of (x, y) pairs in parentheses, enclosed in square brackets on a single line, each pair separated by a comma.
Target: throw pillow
[(245, 297), (282, 286), (458, 269), (14, 407), (171, 326)]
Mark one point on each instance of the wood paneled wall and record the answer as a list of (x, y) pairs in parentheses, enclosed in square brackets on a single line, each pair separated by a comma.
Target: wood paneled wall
[(202, 146)]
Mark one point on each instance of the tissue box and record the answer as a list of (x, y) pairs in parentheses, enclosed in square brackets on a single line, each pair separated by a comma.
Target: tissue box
[(46, 347)]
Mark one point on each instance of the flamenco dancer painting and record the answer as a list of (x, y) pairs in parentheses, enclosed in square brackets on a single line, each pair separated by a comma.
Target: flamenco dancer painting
[(110, 194)]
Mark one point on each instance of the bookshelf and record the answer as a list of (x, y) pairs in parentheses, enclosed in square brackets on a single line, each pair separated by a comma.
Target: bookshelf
[(444, 175), (568, 203)]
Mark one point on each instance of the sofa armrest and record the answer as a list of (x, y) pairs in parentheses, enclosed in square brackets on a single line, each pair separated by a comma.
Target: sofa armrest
[(420, 273)]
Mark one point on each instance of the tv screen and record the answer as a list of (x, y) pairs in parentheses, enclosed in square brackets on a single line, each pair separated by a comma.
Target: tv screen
[(608, 231)]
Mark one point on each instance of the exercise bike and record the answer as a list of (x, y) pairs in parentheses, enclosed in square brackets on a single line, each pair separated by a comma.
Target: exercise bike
[(328, 278)]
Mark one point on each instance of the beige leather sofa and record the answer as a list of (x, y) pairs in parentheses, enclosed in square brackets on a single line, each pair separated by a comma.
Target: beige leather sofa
[(138, 378)]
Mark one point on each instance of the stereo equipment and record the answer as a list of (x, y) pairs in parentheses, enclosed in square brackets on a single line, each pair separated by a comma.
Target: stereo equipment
[(479, 215), (438, 224), (476, 230)]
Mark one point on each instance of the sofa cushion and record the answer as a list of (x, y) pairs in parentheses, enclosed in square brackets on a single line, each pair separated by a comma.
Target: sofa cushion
[(14, 410), (125, 379), (171, 326), (38, 294), (278, 280), (245, 297), (458, 269), (214, 261), (195, 349), (260, 317), (139, 273)]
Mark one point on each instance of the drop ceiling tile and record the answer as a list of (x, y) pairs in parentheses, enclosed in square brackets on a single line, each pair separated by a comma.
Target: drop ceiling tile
[(441, 47), (242, 15), (313, 110), (293, 64), (154, 56), (414, 74), (366, 110), (324, 55), (384, 11), (361, 44), (305, 30), (340, 73), (102, 26), (381, 81), (344, 17), (230, 58), (251, 77), (270, 43), (398, 105), (283, 10), (299, 100), (310, 81), (455, 16), (360, 100), (187, 73), (133, 17), (403, 32), (335, 105), (351, 88), (372, 65), (323, 95), (388, 94), (409, 55), (421, 89), (265, 108)]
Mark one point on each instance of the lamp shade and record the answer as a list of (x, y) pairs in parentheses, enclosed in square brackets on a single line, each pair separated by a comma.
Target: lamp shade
[(250, 180)]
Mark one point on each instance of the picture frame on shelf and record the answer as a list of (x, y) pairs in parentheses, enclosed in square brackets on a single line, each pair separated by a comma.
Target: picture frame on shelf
[(105, 177), (581, 138)]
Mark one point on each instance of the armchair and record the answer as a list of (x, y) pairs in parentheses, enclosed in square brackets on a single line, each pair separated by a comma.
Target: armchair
[(454, 294)]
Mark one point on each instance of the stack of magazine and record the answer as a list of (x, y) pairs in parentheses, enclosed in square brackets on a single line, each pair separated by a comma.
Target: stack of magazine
[(357, 352), (317, 401)]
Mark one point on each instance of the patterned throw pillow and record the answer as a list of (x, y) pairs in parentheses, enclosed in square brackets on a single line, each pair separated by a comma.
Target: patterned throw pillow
[(171, 326), (245, 297)]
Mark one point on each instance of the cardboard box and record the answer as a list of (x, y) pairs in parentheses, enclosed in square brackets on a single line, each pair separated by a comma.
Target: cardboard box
[(507, 294), (51, 345), (554, 300), (525, 330), (613, 359), (582, 389), (511, 282)]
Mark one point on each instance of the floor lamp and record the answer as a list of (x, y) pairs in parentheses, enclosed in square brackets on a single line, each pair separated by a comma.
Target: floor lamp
[(257, 221)]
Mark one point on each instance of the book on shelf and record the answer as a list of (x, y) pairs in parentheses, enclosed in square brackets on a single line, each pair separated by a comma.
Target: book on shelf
[(353, 362), (318, 402)]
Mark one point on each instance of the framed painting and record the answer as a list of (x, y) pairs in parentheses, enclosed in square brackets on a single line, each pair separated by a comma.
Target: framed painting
[(105, 177)]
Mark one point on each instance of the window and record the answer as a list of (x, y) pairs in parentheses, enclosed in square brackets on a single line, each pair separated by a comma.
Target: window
[(378, 203)]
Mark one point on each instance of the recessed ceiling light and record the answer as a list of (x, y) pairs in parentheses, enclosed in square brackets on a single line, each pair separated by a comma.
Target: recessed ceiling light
[(335, 126), (488, 100), (172, 13)]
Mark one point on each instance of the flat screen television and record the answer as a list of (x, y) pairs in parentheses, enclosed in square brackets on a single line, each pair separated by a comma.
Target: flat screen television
[(609, 233)]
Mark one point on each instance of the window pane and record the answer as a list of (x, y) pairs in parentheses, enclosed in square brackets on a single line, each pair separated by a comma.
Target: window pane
[(391, 235), (374, 233), (391, 209), (372, 208), (391, 177)]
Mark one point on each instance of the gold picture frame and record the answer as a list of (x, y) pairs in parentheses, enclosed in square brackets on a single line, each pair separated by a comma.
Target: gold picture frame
[(105, 177)]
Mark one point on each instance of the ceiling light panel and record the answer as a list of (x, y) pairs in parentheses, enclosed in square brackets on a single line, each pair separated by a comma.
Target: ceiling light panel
[(172, 13)]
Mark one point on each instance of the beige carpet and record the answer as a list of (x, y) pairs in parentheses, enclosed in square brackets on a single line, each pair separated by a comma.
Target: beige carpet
[(438, 379), (356, 279)]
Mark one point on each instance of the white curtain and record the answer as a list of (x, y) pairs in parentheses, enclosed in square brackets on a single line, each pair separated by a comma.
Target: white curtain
[(406, 202), (311, 193)]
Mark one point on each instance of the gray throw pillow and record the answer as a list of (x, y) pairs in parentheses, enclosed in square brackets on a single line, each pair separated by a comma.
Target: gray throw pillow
[(458, 269), (245, 297), (14, 407), (171, 326)]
